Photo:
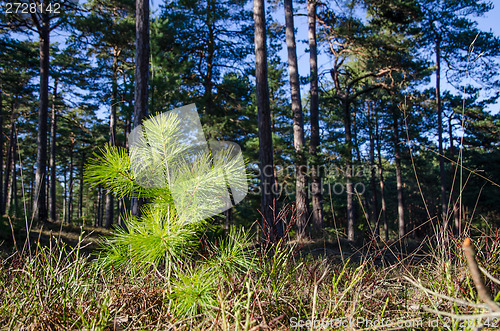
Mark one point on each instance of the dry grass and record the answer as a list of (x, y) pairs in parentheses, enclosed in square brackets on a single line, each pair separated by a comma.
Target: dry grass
[(58, 287)]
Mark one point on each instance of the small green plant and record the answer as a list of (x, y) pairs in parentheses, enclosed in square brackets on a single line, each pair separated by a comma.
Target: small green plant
[(180, 187), (194, 291), (180, 183), (231, 254)]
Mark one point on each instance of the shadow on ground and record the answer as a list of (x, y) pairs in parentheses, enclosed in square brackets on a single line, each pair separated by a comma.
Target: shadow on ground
[(13, 237)]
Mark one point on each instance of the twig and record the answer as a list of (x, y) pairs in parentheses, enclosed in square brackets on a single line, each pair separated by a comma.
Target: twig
[(442, 296), (13, 235), (487, 274), (482, 291), (462, 317)]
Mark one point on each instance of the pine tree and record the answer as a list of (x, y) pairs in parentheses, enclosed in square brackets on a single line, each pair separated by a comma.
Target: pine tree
[(271, 230), (17, 61), (316, 186), (166, 231), (301, 196), (108, 28), (42, 23), (447, 30), (352, 79), (141, 74)]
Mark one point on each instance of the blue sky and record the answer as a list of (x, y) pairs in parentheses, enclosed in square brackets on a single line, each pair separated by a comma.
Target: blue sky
[(490, 22)]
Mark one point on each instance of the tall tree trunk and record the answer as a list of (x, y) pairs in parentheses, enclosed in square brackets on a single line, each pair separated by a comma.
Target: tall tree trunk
[(301, 198), (14, 176), (32, 193), (383, 210), (101, 209), (52, 160), (70, 192), (207, 84), (97, 206), (120, 211), (8, 164), (141, 75), (399, 178), (80, 199), (65, 195), (49, 179), (128, 120), (374, 214), (271, 229), (127, 129), (456, 188), (207, 79), (1, 152), (358, 166), (43, 109), (228, 217), (278, 190), (10, 182), (348, 173), (108, 218), (444, 207), (141, 61), (316, 187)]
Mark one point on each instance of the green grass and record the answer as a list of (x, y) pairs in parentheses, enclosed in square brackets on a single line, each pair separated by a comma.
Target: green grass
[(235, 286)]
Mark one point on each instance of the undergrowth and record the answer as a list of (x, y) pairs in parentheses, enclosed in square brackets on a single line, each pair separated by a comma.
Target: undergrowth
[(237, 286)]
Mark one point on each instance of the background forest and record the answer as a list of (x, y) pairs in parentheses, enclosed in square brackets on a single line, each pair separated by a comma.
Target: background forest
[(385, 147)]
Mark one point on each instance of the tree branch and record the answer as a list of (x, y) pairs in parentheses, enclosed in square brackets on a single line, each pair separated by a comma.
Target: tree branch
[(482, 291), (366, 90), (370, 74)]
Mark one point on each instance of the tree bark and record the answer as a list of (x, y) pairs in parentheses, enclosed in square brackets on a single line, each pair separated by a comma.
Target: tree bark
[(361, 197), (120, 211), (52, 160), (348, 173), (399, 178), (455, 190), (80, 202), (43, 108), (101, 209), (141, 61), (444, 207), (97, 206), (316, 186), (141, 75), (65, 195), (47, 186), (109, 204), (8, 165), (1, 152), (128, 120), (207, 79), (10, 180), (228, 217), (383, 210), (301, 198), (14, 176), (126, 129), (32, 193), (373, 186), (70, 191), (272, 230)]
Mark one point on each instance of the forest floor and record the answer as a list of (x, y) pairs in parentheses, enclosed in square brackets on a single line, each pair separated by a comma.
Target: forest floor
[(337, 250), (50, 232), (308, 284)]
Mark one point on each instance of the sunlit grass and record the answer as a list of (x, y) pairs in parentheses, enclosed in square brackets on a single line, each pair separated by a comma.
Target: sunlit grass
[(234, 287)]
